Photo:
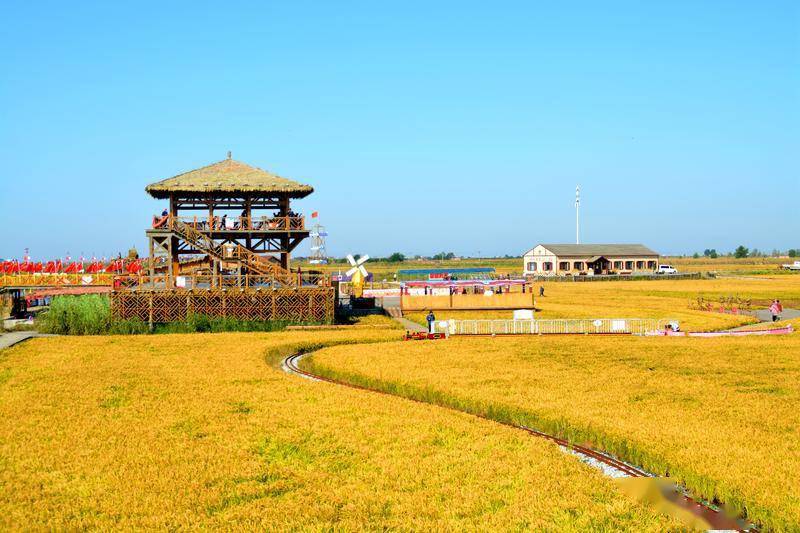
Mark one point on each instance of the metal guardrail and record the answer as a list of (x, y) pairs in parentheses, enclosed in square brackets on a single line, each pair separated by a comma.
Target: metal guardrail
[(587, 326)]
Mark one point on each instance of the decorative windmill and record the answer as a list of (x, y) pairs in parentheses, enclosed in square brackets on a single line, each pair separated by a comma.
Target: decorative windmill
[(358, 274)]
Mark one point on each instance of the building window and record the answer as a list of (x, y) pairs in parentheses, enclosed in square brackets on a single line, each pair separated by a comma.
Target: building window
[(617, 265), (628, 265), (651, 265), (639, 265), (547, 266), (577, 265), (563, 265), (532, 266)]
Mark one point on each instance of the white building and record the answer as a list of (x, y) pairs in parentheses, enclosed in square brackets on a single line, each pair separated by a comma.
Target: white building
[(588, 259)]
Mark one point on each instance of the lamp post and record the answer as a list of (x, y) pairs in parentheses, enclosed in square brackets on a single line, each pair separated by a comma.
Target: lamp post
[(577, 214)]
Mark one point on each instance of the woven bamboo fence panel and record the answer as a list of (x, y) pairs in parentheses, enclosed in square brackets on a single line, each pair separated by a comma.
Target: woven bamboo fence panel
[(303, 304)]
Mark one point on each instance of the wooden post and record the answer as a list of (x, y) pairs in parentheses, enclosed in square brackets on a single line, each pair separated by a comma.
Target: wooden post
[(152, 267), (150, 311), (210, 211), (173, 244)]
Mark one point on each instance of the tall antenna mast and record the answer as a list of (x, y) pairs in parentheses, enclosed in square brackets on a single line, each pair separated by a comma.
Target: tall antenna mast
[(577, 214), (318, 254)]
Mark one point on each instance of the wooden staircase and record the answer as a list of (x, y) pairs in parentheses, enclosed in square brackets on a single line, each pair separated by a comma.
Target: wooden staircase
[(254, 263)]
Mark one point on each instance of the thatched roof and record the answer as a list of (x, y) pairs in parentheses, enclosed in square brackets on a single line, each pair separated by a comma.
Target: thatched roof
[(228, 176)]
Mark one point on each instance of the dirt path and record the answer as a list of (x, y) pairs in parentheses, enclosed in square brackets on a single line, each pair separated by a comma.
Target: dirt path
[(7, 340), (766, 318)]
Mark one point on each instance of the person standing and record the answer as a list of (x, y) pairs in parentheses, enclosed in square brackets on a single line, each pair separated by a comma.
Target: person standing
[(779, 308), (774, 310), (431, 318), (541, 290)]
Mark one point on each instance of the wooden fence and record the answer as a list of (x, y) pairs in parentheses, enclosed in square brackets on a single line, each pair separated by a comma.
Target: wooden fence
[(301, 304), (616, 277)]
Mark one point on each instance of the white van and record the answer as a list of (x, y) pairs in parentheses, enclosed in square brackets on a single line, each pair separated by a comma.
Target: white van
[(666, 269)]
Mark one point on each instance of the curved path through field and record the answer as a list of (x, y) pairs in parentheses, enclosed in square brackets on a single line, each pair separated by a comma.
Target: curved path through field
[(608, 464)]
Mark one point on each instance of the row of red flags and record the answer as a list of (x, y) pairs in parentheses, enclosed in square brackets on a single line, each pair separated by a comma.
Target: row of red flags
[(116, 266)]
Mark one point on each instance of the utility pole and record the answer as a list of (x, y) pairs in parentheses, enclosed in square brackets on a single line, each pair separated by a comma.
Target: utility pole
[(577, 214)]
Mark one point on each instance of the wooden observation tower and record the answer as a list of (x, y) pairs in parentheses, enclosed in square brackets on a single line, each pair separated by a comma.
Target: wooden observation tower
[(227, 219), (222, 248)]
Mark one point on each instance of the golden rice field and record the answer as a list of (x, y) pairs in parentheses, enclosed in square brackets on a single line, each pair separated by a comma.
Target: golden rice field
[(650, 299), (720, 415), (202, 431)]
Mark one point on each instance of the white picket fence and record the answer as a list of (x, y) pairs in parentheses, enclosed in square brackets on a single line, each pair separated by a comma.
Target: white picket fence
[(588, 326)]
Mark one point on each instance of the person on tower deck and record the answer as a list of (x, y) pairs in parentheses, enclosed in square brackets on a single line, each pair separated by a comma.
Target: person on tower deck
[(164, 213), (431, 318)]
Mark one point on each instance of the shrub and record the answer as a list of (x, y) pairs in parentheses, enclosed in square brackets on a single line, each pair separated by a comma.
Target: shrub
[(88, 314)]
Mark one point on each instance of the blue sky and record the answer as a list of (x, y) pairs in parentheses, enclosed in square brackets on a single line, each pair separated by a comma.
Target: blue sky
[(423, 126)]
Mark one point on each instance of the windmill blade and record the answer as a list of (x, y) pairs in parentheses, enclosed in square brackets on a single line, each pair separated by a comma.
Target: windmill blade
[(363, 259), (350, 272), (363, 271), (351, 259)]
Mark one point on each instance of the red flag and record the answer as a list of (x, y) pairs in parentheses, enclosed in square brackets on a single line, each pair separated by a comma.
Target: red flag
[(73, 268), (134, 267), (50, 268), (315, 214)]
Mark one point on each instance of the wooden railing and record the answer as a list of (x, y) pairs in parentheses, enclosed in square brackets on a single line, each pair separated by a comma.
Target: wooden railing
[(54, 280), (255, 263), (262, 223), (205, 281)]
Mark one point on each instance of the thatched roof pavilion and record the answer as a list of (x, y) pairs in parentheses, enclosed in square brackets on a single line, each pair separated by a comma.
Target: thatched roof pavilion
[(228, 204), (228, 176)]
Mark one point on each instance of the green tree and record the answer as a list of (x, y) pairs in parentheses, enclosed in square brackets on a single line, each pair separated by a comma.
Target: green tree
[(792, 252), (696, 256), (396, 257), (741, 252)]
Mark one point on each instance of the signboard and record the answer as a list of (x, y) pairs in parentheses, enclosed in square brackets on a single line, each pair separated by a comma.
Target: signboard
[(619, 325), (378, 293), (523, 314)]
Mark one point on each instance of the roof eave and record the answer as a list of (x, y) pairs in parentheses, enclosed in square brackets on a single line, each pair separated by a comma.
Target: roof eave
[(159, 193)]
